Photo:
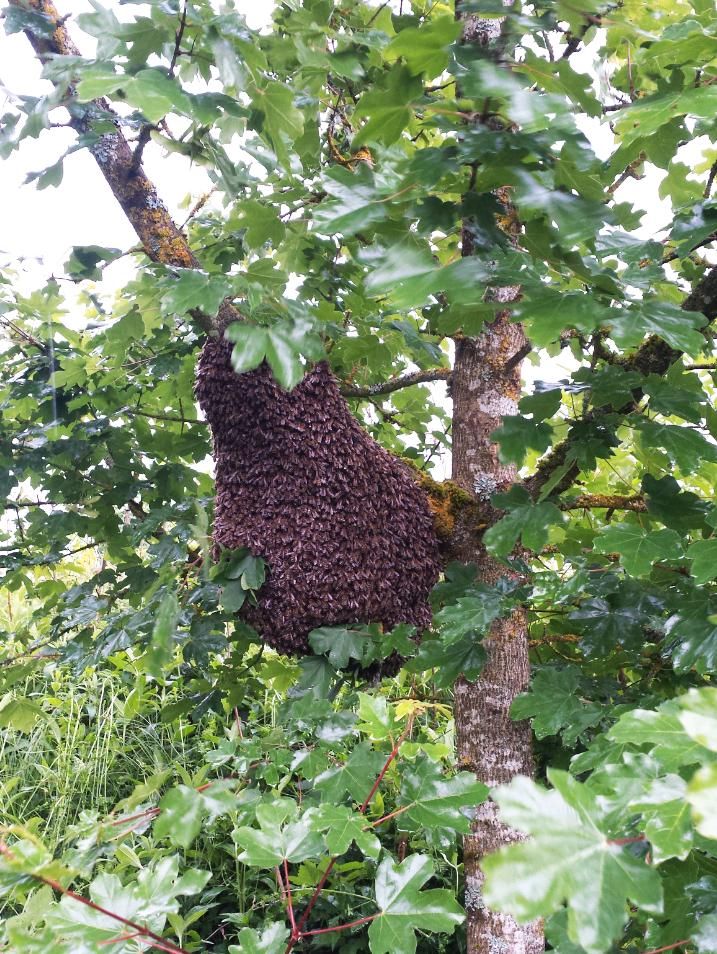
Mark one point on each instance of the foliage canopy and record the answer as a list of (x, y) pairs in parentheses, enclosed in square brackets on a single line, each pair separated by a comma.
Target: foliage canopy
[(160, 762)]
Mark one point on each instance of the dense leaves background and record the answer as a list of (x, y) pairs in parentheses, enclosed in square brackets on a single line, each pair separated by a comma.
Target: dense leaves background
[(155, 757)]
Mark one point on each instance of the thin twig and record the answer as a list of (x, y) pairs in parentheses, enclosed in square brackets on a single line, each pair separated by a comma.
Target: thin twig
[(289, 902), (340, 927), (178, 40), (378, 10), (395, 384), (705, 241), (142, 141), (174, 418), (517, 358), (198, 206), (667, 947)]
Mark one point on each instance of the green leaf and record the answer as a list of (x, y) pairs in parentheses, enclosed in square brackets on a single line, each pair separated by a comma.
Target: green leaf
[(355, 776), (281, 345), (606, 623), (233, 596), (148, 899), (160, 650), (663, 731), (183, 810), (553, 705), (192, 289), (541, 404), (684, 445), (705, 934), (525, 520), (273, 842), (387, 107), (17, 19), (668, 396), (464, 657), (666, 818), (340, 644), (354, 202), (639, 547), (283, 358), (471, 614), (49, 177), (272, 940), (405, 908), (698, 716), (155, 93), (424, 49), (693, 638), (20, 714), (610, 385), (517, 434), (679, 328), (341, 827), (97, 82), (250, 343), (282, 122), (670, 505), (649, 114), (436, 801), (703, 554), (569, 859), (377, 720), (261, 222), (85, 259)]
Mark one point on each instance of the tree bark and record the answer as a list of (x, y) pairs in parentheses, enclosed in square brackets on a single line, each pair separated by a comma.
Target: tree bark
[(490, 742), (486, 385)]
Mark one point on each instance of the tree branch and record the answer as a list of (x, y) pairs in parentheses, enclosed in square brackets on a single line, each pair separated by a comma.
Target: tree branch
[(607, 501), (144, 134), (161, 240), (174, 418), (654, 356), (395, 384), (178, 39)]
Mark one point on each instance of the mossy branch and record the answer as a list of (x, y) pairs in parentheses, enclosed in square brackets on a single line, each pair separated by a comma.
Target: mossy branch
[(636, 503)]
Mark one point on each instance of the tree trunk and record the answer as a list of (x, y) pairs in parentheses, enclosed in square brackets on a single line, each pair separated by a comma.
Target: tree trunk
[(492, 744), (485, 386)]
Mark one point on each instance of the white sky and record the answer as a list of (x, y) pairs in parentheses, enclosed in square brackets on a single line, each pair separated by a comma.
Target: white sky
[(81, 211), (42, 226), (46, 224)]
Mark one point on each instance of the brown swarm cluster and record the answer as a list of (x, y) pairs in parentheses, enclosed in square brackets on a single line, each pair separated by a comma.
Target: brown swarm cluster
[(343, 526)]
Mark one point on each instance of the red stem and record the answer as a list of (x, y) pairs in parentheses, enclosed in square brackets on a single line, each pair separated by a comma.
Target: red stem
[(147, 813), (298, 930), (128, 937), (667, 947), (289, 902), (312, 901), (139, 928), (340, 927), (152, 812), (385, 818), (626, 841), (385, 769)]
